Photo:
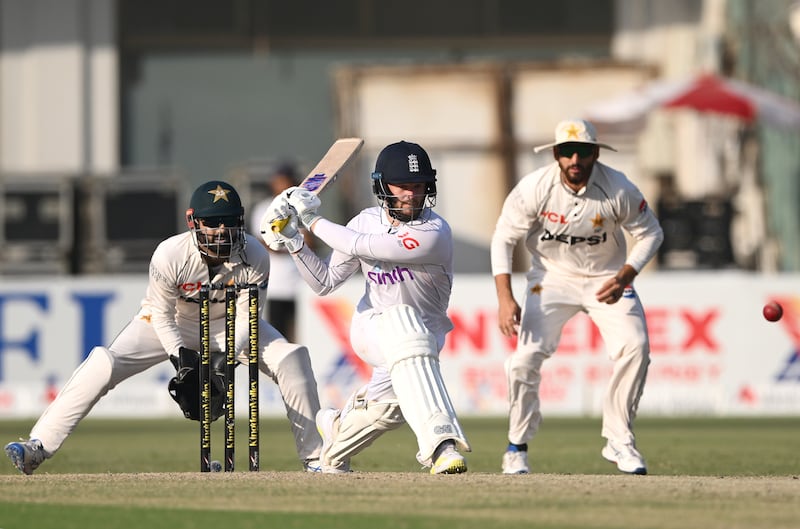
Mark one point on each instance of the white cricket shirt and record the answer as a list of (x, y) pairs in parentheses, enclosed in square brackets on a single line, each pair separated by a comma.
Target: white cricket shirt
[(177, 270), (410, 264), (576, 233)]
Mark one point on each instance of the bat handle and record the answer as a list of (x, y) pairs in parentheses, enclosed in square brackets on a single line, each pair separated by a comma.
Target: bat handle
[(279, 224)]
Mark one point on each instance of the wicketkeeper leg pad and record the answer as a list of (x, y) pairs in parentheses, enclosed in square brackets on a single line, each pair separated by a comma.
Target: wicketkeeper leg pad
[(413, 356)]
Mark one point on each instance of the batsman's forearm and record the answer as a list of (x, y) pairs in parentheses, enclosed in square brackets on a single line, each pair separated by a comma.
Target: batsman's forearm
[(313, 270), (336, 236)]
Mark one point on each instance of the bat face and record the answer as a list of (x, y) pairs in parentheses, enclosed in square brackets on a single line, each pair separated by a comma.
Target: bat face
[(338, 156)]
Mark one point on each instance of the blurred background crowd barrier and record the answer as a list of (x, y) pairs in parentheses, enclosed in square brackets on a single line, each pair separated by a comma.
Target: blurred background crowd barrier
[(110, 110), (113, 111)]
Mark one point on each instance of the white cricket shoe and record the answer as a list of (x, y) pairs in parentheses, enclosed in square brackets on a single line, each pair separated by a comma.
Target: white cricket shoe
[(325, 426), (26, 455), (516, 462), (449, 462), (625, 455)]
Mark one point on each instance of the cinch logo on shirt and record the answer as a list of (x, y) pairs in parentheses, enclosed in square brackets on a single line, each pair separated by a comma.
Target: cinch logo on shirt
[(573, 239), (397, 275)]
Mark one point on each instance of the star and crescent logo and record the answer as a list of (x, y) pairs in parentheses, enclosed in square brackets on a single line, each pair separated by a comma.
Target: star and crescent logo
[(219, 193)]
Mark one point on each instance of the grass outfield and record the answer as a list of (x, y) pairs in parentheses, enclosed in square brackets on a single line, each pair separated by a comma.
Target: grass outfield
[(710, 473)]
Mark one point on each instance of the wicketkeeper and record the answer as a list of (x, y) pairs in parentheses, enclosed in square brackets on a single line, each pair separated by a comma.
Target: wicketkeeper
[(215, 250)]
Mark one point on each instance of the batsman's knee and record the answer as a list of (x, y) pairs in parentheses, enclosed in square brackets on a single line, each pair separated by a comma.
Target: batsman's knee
[(364, 422)]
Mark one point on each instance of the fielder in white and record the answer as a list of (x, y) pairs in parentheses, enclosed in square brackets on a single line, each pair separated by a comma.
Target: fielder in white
[(571, 215), (405, 252), (214, 250)]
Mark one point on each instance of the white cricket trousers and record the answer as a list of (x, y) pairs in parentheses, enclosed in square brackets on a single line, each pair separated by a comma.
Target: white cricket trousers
[(138, 348), (550, 301)]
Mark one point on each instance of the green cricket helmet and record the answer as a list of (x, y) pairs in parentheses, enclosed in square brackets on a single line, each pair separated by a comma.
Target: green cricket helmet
[(216, 219)]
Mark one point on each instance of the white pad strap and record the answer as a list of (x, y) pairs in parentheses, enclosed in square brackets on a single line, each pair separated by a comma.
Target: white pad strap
[(361, 425), (413, 356)]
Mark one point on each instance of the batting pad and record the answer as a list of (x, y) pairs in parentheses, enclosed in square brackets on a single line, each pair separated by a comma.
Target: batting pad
[(361, 425), (411, 352)]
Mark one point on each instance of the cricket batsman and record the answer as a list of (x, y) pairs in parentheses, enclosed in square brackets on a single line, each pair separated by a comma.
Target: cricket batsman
[(404, 251)]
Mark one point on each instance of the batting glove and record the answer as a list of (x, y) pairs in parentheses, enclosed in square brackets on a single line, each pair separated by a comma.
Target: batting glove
[(279, 227), (306, 204)]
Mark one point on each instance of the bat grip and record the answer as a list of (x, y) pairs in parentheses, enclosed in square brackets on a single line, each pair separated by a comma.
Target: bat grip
[(278, 224)]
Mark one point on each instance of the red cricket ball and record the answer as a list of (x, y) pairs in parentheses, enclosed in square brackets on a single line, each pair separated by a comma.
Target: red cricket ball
[(772, 311)]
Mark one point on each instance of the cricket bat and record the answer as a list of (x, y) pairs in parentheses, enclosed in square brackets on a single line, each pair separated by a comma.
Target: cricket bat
[(327, 169)]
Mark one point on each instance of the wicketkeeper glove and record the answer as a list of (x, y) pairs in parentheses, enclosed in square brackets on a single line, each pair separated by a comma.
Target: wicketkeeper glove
[(184, 387)]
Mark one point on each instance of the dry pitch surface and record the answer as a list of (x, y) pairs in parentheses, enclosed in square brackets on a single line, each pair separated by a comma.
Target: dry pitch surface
[(705, 473), (469, 500)]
